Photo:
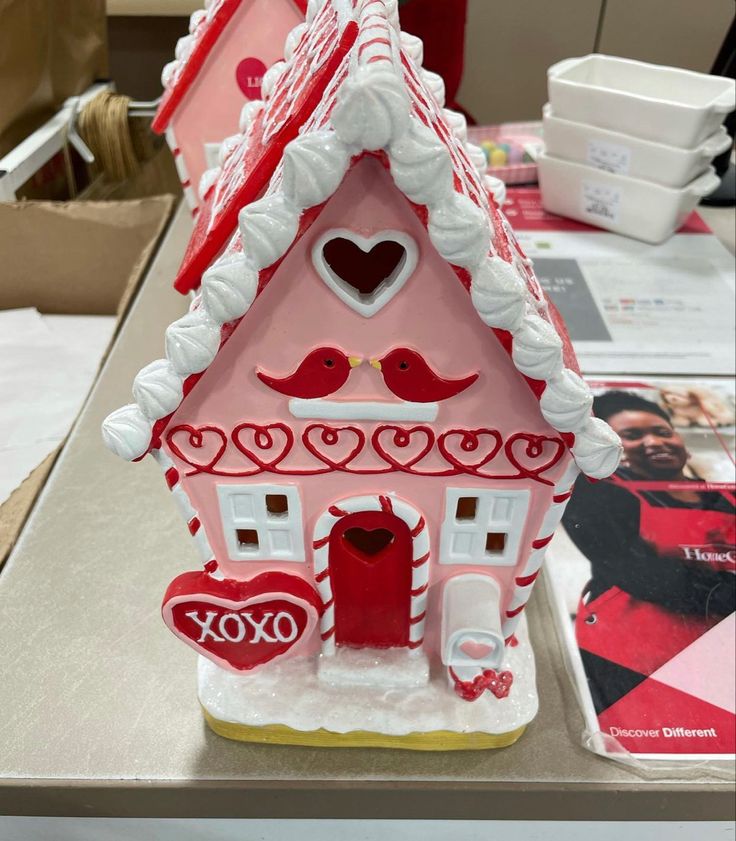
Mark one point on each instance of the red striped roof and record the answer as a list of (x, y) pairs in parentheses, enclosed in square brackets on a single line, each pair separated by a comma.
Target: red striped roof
[(249, 167)]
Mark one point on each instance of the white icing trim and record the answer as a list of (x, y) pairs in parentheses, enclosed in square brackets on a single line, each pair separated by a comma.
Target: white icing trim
[(372, 108), (248, 113), (293, 39), (127, 432), (198, 16), (537, 349), (597, 449), (227, 146), (457, 123), (183, 48), (497, 189), (158, 389), (566, 402), (498, 293), (271, 78), (373, 112), (413, 47), (460, 231), (366, 410), (169, 72), (269, 226), (366, 305), (420, 165), (229, 288), (436, 85), (192, 342), (209, 176), (314, 166)]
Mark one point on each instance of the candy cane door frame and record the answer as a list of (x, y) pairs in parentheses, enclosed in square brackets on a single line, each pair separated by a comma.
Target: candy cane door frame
[(370, 554)]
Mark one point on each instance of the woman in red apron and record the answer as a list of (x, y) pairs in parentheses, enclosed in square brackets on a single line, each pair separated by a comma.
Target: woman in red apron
[(662, 557)]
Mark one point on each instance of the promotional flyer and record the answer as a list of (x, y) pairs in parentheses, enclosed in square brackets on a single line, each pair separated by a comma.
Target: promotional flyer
[(642, 573)]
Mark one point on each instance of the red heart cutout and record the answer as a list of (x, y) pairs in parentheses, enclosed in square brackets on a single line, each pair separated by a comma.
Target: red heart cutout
[(363, 270), (458, 445), (241, 625), (202, 448), (405, 448), (319, 439), (262, 443), (532, 455)]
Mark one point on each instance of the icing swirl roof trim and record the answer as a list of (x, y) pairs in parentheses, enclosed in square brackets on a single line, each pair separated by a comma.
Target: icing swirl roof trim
[(378, 101), (205, 28)]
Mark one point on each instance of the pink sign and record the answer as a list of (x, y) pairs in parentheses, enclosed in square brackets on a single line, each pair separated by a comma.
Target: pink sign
[(249, 75)]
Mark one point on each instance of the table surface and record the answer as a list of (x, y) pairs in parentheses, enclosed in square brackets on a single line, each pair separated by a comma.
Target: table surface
[(98, 699)]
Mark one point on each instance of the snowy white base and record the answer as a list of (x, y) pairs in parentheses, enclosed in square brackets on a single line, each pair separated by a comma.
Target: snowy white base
[(291, 693), (395, 668)]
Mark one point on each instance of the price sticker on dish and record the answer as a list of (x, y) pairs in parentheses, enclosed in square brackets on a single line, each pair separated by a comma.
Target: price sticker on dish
[(601, 201), (610, 157)]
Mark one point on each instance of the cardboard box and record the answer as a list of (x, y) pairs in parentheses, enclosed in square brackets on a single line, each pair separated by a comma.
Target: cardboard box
[(84, 258)]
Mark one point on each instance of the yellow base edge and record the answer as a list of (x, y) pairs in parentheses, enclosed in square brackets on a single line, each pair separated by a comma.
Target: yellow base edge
[(437, 740)]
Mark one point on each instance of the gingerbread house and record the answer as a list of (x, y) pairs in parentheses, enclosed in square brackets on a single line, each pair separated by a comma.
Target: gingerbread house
[(371, 417), (219, 67)]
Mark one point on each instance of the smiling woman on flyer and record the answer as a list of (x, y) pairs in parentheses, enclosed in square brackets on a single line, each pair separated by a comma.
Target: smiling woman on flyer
[(661, 554)]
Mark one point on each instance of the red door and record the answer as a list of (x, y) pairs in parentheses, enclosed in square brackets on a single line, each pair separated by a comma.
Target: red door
[(370, 568)]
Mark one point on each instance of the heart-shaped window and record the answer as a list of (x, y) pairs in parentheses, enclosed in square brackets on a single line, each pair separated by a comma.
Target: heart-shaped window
[(365, 272)]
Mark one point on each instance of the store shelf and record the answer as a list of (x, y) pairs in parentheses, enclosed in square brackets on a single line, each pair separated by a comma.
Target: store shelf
[(98, 699)]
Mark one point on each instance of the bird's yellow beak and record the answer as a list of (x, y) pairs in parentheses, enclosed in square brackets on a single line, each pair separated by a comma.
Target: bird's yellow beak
[(355, 361), (376, 363)]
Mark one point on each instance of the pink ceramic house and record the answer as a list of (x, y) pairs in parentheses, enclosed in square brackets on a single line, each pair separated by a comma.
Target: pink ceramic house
[(219, 67), (371, 417)]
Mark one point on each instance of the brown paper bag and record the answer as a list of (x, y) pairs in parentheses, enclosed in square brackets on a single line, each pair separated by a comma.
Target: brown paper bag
[(49, 50)]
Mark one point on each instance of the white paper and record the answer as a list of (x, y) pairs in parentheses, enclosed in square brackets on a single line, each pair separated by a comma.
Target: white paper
[(633, 308), (47, 365)]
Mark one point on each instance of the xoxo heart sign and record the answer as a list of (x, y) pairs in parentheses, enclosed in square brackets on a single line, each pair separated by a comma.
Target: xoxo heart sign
[(241, 625)]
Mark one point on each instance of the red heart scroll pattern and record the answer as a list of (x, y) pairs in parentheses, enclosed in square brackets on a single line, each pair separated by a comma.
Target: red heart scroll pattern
[(470, 449), (464, 451), (533, 455), (403, 448), (336, 446), (201, 447), (258, 441), (497, 683), (241, 625)]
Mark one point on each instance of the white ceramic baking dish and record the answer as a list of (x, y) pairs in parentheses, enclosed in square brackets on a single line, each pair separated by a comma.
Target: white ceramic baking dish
[(623, 154), (664, 104), (639, 209)]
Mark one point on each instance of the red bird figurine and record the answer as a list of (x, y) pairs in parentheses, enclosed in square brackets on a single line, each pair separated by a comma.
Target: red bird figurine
[(409, 377), (320, 373)]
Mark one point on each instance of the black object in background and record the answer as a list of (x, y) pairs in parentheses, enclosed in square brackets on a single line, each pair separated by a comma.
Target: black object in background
[(725, 65)]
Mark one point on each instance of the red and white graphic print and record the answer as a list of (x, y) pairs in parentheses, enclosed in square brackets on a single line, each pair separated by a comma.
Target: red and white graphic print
[(241, 625)]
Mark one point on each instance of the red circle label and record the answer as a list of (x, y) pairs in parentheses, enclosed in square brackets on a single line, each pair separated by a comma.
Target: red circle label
[(249, 75)]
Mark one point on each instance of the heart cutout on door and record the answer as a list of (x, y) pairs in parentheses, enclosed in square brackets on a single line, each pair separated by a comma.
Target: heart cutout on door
[(365, 272), (368, 542)]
